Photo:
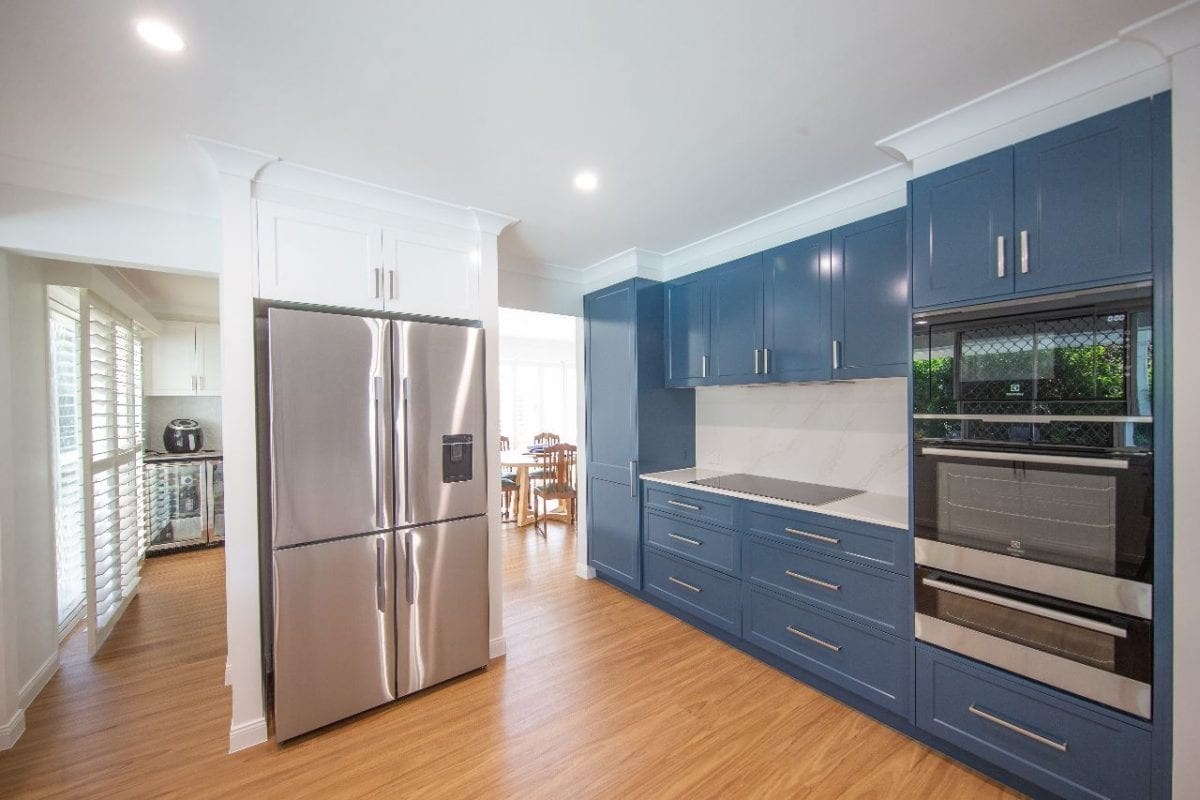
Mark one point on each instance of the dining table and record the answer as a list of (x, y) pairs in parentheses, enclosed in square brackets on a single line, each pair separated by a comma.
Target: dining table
[(522, 463)]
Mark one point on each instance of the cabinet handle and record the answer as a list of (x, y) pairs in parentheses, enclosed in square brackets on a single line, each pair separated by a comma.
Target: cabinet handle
[(1028, 734), (766, 361), (1000, 256), (633, 479), (200, 382), (684, 584), (392, 284), (378, 282), (837, 648), (816, 536), (756, 360), (688, 506), (703, 366), (194, 387), (1024, 252), (837, 354), (686, 540), (833, 587)]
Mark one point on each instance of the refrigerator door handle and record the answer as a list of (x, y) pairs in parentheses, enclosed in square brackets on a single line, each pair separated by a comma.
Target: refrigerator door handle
[(381, 465), (409, 568), (381, 575), (407, 457)]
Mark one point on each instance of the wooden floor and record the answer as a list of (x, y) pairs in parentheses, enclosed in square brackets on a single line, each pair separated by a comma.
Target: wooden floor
[(600, 696)]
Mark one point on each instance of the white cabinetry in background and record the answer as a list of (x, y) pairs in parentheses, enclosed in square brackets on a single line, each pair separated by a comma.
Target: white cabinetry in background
[(184, 360), (310, 256)]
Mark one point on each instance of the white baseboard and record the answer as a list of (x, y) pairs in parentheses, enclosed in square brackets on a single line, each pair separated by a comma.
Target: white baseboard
[(12, 730), (33, 687), (248, 734), (497, 648), (585, 571)]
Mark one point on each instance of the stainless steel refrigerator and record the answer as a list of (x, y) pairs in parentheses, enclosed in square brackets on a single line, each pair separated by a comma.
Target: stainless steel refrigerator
[(378, 499)]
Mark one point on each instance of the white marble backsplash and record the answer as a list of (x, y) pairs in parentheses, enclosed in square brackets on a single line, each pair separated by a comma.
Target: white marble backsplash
[(851, 434)]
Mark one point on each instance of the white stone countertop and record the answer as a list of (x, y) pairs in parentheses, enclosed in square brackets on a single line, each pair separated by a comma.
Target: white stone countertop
[(880, 509)]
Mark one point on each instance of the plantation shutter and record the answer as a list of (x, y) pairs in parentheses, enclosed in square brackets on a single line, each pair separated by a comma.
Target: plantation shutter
[(112, 427)]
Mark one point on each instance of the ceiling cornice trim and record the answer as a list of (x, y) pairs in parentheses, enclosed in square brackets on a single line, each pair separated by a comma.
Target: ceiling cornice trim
[(552, 272), (232, 159), (1169, 32)]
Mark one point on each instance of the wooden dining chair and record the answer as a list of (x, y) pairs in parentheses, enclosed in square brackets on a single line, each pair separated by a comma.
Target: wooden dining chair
[(508, 481), (543, 473), (560, 462)]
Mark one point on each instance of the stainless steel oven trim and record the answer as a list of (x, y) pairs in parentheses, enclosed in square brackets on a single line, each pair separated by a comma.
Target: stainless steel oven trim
[(1036, 418), (1027, 458), (1028, 608), (1113, 690), (1089, 588)]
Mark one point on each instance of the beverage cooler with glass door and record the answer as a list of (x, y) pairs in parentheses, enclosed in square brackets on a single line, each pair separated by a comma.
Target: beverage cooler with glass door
[(185, 503)]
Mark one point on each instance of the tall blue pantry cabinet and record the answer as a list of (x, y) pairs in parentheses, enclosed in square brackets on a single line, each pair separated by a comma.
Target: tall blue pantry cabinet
[(634, 423)]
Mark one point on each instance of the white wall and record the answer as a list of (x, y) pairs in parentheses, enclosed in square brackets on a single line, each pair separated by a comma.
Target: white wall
[(12, 720), (852, 434), (1185, 109), (536, 293)]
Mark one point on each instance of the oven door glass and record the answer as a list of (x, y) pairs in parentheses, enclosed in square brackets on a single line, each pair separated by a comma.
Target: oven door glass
[(1083, 511), (1022, 629)]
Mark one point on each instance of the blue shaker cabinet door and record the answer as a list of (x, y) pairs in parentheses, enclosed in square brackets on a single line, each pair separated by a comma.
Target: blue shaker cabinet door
[(870, 297), (796, 311), (614, 530), (687, 313), (737, 321), (962, 231), (611, 379), (1083, 202)]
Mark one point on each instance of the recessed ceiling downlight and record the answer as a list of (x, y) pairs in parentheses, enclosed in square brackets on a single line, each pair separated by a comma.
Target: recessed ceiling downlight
[(160, 35), (586, 181)]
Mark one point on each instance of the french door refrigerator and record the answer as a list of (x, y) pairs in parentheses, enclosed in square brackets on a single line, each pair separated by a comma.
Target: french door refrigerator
[(378, 499)]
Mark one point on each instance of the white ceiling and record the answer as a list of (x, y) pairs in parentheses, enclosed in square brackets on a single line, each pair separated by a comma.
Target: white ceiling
[(170, 296), (697, 114)]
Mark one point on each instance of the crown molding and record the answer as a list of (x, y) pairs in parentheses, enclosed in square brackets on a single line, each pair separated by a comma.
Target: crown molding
[(632, 263), (491, 222), (232, 159), (550, 272), (1169, 32)]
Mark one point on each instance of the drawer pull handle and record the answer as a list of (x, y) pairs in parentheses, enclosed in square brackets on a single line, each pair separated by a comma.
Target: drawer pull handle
[(684, 584), (815, 536), (1003, 723), (837, 648), (833, 587), (686, 540), (688, 506)]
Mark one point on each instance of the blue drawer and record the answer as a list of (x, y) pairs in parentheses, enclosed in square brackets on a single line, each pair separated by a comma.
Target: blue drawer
[(869, 663), (709, 595), (874, 597), (1068, 746), (711, 547), (862, 542), (703, 506)]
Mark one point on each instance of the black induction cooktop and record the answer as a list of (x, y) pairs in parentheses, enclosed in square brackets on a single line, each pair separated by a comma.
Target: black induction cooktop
[(812, 494)]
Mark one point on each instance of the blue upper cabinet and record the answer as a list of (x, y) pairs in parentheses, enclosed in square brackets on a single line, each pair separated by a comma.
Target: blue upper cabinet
[(1067, 209), (1083, 202), (962, 222), (737, 321), (796, 311), (870, 308), (687, 347)]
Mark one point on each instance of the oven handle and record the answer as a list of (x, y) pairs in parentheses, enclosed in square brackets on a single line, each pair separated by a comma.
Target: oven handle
[(1031, 458), (1028, 608)]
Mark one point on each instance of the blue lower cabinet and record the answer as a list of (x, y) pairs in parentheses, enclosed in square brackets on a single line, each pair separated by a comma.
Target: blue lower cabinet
[(703, 506), (1071, 748), (869, 596), (869, 663), (860, 542), (711, 547), (697, 590)]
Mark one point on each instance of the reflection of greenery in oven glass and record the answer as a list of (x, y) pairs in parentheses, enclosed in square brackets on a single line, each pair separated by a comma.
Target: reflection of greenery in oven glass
[(935, 379)]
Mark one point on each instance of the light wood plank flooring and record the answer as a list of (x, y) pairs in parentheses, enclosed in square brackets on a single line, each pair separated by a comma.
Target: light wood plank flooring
[(599, 696)]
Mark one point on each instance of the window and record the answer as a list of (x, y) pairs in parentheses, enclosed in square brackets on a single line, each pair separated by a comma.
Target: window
[(67, 455), (115, 515)]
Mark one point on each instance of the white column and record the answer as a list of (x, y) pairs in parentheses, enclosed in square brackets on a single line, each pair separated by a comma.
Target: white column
[(12, 719)]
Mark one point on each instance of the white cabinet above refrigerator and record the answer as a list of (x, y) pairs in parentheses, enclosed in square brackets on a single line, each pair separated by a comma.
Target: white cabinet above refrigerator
[(184, 360)]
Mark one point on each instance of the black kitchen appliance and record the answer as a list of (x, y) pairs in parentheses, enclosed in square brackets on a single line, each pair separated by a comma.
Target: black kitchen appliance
[(183, 436)]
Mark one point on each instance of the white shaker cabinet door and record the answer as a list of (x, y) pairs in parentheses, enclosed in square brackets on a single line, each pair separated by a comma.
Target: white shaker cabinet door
[(172, 360), (308, 256), (430, 275), (208, 356)]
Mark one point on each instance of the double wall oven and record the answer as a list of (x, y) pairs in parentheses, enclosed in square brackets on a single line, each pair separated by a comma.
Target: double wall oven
[(1033, 483)]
